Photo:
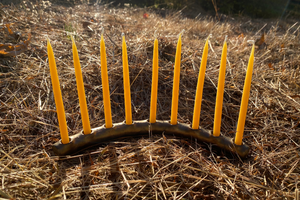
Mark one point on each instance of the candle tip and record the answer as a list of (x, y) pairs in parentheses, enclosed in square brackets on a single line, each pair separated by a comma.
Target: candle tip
[(48, 43), (123, 34), (225, 38)]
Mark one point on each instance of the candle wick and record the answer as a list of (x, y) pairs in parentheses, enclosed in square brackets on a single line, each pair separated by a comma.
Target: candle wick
[(209, 36), (155, 34), (102, 31), (72, 38), (181, 33), (251, 42)]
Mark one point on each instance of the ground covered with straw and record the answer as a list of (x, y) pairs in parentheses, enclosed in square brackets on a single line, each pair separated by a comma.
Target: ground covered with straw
[(160, 166)]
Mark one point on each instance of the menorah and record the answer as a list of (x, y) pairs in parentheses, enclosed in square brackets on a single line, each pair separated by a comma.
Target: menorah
[(89, 137)]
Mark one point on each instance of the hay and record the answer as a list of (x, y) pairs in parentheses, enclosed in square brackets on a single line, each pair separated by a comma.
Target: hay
[(155, 167)]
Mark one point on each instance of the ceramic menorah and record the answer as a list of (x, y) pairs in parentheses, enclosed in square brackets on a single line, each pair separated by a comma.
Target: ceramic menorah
[(90, 137)]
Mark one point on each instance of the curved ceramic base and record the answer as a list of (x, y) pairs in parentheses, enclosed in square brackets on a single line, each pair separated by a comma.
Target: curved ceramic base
[(101, 134)]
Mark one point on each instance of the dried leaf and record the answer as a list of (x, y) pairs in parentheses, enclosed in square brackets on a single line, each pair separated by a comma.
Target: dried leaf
[(146, 15), (15, 35), (8, 29), (260, 41), (8, 50), (294, 96), (91, 160), (281, 47), (54, 139), (30, 77), (271, 67)]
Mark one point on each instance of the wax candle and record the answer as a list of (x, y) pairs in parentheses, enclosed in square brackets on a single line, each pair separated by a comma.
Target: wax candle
[(245, 98), (199, 90), (126, 81), (81, 93), (105, 85), (176, 79), (220, 92), (57, 96), (153, 104)]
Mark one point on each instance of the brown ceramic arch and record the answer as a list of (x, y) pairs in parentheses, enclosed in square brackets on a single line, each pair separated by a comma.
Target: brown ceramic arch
[(139, 128)]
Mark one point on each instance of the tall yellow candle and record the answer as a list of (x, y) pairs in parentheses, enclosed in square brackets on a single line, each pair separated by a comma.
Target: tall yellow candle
[(57, 96), (81, 93), (176, 79), (220, 92), (245, 98), (199, 90), (153, 104), (105, 85), (126, 81)]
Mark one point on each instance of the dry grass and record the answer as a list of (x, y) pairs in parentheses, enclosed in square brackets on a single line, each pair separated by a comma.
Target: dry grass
[(156, 167)]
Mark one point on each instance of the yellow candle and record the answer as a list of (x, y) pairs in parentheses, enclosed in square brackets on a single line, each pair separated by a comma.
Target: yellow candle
[(153, 103), (199, 91), (105, 85), (126, 81), (176, 79), (245, 98), (81, 93), (57, 96), (220, 92)]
